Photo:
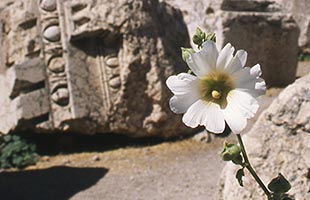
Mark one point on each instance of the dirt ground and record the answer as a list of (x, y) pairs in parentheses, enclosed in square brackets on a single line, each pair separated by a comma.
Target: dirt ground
[(178, 169)]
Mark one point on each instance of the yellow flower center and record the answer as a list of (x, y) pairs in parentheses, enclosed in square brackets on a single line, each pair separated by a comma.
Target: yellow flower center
[(216, 94), (215, 87)]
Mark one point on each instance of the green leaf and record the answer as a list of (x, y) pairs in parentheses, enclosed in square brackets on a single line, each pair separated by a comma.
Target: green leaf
[(15, 138), (239, 175), (186, 52), (7, 138), (16, 152), (279, 184)]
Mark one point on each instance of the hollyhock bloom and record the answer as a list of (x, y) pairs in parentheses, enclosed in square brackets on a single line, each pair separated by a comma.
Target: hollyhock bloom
[(223, 90)]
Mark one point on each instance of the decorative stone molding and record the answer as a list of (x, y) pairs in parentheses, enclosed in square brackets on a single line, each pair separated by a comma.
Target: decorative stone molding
[(99, 66)]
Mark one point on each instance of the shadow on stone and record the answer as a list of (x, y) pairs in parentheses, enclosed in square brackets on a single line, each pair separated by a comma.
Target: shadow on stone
[(59, 183)]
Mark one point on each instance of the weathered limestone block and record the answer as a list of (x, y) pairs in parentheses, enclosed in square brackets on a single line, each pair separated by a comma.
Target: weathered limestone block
[(269, 36), (278, 142), (301, 12), (266, 32), (100, 66), (270, 39), (24, 77)]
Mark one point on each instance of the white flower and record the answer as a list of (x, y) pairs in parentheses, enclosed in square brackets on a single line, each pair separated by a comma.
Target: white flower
[(224, 89)]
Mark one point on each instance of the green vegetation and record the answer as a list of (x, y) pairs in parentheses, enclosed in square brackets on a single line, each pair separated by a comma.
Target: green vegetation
[(304, 57), (16, 152)]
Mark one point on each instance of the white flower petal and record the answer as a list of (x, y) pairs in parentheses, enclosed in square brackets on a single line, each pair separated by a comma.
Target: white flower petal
[(180, 104), (211, 53), (233, 117), (256, 70), (242, 55), (214, 121), (255, 87), (184, 87), (246, 74), (225, 56), (197, 64), (247, 79), (182, 83), (207, 114), (260, 87), (203, 61), (234, 65), (245, 103)]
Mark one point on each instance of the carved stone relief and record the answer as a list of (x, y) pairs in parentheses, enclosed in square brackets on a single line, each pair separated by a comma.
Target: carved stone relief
[(98, 66)]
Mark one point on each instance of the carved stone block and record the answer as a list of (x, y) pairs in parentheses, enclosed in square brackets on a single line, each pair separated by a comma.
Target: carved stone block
[(99, 66)]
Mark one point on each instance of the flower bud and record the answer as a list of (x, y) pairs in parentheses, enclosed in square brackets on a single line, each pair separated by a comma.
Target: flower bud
[(197, 40), (186, 52), (199, 32), (199, 37), (231, 152), (279, 185), (211, 37)]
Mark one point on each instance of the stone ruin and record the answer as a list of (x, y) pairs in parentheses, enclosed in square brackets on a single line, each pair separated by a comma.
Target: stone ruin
[(100, 66), (264, 28), (90, 66)]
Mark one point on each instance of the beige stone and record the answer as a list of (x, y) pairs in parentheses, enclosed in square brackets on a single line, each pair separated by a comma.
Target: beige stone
[(300, 10), (271, 39), (278, 142), (90, 66)]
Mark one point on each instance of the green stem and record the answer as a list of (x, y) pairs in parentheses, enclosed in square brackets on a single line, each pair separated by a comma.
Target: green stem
[(251, 170)]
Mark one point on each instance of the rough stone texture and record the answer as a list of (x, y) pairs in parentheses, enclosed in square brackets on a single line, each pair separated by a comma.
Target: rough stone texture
[(268, 35), (266, 32), (301, 12), (90, 66), (278, 142), (194, 13)]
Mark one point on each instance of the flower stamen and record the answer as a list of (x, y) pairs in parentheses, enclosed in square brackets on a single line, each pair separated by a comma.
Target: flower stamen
[(216, 94)]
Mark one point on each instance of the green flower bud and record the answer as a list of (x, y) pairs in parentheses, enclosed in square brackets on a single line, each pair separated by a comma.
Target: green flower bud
[(199, 37), (279, 185), (200, 33), (231, 152), (211, 37), (186, 52), (197, 40)]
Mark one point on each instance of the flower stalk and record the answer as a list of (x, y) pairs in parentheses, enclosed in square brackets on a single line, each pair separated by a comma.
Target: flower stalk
[(249, 167)]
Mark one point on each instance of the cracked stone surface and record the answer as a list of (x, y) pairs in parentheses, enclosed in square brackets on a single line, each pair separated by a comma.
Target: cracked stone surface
[(99, 66), (278, 142)]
